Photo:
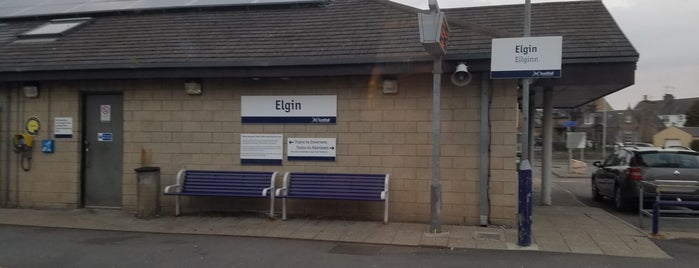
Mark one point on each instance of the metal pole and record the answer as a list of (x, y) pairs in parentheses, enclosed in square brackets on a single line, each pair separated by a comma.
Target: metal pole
[(484, 149), (532, 110), (436, 187), (604, 132), (547, 148), (524, 218)]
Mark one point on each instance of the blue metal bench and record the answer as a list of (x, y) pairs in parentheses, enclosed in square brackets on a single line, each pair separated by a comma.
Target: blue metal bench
[(224, 184), (365, 187)]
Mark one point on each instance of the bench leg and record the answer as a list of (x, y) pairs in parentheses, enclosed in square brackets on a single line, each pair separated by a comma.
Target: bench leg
[(271, 205), (385, 211), (177, 205), (284, 208)]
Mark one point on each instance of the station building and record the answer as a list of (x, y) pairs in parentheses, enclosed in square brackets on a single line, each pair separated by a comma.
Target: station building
[(122, 88)]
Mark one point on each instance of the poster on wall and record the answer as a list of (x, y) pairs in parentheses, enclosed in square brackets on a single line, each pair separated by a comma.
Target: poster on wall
[(311, 149), (63, 127), (306, 109), (261, 149)]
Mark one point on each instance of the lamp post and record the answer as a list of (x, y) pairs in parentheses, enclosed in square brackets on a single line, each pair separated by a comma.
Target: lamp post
[(434, 32)]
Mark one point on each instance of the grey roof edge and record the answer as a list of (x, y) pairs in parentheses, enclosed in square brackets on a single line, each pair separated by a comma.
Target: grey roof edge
[(482, 57), (161, 9), (399, 6)]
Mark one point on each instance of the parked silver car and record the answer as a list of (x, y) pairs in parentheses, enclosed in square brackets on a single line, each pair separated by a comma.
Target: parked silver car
[(619, 176)]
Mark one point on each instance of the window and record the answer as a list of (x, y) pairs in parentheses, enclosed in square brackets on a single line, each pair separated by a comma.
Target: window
[(589, 119), (54, 28), (628, 119)]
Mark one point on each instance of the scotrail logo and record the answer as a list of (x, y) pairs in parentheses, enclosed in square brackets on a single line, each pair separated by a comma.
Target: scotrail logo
[(320, 120), (543, 74)]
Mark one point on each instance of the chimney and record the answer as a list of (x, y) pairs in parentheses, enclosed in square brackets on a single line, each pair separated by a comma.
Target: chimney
[(668, 98), (645, 97)]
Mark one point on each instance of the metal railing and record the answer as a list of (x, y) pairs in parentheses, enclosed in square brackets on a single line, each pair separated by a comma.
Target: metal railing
[(667, 186)]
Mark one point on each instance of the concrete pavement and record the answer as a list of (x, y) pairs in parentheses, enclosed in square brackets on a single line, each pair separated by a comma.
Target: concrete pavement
[(573, 228), (582, 230)]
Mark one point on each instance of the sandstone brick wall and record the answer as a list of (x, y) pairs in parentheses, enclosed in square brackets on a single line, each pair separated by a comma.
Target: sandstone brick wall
[(375, 133)]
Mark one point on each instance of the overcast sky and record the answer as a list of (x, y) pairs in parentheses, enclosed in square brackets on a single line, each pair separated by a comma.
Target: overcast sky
[(665, 33)]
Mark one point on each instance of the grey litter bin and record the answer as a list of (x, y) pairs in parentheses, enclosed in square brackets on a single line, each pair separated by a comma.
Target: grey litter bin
[(148, 192)]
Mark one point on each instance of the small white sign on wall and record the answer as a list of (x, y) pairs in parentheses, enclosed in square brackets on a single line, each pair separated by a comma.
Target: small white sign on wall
[(320, 149), (63, 127), (261, 149), (105, 113)]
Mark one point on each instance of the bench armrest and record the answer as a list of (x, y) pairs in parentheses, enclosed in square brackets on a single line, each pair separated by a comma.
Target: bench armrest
[(179, 179), (268, 189), (280, 190), (169, 187)]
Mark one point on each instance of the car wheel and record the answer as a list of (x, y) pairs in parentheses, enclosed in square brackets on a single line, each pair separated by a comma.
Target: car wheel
[(595, 192), (621, 202)]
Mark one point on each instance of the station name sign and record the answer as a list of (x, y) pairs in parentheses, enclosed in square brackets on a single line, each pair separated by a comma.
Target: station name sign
[(527, 57), (305, 109)]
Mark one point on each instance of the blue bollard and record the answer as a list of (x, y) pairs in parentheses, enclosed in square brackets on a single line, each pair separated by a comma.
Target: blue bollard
[(524, 212), (656, 216)]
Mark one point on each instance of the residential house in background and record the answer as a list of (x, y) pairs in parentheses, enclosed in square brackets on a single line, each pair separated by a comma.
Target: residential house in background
[(676, 136), (671, 111)]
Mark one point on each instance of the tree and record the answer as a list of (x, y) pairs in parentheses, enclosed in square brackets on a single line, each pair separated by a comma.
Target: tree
[(694, 145), (693, 115)]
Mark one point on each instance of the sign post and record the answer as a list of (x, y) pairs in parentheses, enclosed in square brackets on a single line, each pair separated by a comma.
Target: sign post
[(526, 58)]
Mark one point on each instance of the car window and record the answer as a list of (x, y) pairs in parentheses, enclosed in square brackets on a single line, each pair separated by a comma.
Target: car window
[(670, 159), (623, 158), (611, 159)]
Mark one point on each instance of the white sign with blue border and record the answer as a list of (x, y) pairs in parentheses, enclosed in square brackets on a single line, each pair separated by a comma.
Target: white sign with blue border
[(526, 57), (309, 109), (311, 149), (104, 136)]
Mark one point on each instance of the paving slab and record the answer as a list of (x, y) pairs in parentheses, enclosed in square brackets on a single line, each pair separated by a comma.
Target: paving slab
[(556, 229)]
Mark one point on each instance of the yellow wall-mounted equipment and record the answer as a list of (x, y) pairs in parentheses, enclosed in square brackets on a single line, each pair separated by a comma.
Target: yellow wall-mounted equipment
[(22, 142)]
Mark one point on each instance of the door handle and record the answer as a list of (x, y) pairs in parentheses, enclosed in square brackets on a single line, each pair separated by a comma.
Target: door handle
[(86, 145)]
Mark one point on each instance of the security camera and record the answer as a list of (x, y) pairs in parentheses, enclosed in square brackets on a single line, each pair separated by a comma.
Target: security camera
[(461, 76)]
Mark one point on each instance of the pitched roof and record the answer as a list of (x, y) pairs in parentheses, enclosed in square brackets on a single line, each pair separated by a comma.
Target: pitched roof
[(669, 105), (339, 32), (694, 131)]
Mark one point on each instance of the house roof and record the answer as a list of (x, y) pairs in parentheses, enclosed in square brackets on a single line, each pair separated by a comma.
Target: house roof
[(335, 37), (694, 131), (669, 105)]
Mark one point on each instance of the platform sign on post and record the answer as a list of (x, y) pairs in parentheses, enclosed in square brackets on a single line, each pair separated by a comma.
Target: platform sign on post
[(526, 57), (575, 140)]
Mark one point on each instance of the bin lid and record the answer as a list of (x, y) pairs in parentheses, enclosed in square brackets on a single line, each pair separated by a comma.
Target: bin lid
[(147, 169)]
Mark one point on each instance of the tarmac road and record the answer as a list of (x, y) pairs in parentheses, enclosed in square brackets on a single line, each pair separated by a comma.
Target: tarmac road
[(56, 247), (575, 191)]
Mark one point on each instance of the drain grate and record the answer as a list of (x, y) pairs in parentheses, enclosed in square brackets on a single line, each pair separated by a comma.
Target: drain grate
[(356, 250), (488, 236)]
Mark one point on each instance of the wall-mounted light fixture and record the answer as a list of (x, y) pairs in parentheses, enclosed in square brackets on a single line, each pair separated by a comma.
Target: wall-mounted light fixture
[(192, 87), (390, 86), (31, 89)]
